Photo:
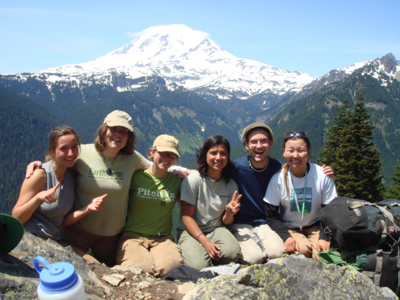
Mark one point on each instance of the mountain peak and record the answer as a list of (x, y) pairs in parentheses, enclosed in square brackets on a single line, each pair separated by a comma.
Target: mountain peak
[(177, 37), (188, 58), (389, 63)]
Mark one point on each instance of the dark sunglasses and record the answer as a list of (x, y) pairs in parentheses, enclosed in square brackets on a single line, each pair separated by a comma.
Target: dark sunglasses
[(168, 154), (300, 134)]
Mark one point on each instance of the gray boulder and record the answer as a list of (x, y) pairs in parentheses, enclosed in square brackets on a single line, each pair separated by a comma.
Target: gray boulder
[(291, 278)]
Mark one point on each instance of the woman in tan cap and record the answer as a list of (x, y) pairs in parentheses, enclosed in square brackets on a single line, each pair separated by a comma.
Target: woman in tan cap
[(105, 167), (147, 239)]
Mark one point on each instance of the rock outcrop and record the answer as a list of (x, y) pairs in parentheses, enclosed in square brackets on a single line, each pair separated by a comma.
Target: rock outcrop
[(291, 278), (18, 276), (286, 278)]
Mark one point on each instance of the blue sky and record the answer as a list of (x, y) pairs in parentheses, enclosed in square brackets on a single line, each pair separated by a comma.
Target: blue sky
[(307, 36)]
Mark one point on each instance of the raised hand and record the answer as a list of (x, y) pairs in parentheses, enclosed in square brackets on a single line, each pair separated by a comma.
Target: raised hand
[(50, 195), (234, 206), (97, 204)]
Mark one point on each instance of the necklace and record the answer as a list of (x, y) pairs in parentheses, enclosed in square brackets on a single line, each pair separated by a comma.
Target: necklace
[(293, 192), (109, 170), (258, 170)]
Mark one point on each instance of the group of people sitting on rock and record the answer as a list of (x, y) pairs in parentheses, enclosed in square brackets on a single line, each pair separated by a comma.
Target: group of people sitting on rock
[(107, 198)]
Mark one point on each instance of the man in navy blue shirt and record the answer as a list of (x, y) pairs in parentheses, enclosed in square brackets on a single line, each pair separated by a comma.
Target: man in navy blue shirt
[(252, 174)]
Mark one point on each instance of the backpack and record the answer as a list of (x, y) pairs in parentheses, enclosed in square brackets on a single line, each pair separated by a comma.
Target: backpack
[(356, 224), (367, 235)]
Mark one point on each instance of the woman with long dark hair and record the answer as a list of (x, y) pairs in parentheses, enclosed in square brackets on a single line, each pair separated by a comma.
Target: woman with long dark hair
[(209, 201)]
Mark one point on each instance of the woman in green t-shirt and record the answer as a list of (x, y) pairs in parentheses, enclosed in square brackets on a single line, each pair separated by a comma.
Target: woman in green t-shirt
[(147, 239)]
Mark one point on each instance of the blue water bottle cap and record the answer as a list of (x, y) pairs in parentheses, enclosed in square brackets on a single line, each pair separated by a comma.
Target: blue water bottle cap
[(55, 277)]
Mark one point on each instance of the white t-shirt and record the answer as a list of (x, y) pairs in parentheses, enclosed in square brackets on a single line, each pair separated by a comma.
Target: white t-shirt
[(320, 190)]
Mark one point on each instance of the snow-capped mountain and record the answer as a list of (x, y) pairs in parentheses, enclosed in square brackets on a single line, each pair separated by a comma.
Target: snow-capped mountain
[(385, 68), (189, 58)]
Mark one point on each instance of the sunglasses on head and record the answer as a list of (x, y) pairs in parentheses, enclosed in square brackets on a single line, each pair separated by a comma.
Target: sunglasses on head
[(300, 134)]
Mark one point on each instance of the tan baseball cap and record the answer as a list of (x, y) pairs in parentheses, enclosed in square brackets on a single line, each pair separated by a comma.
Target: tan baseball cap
[(119, 118), (252, 126), (166, 143)]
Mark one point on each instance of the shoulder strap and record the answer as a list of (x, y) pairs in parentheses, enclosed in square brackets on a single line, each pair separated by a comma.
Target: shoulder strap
[(387, 212)]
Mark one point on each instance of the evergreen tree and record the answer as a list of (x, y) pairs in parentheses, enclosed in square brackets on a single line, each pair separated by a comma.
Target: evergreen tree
[(352, 154), (394, 188), (332, 142)]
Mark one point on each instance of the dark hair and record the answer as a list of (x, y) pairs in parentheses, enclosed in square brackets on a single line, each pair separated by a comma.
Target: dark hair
[(55, 134), (285, 166), (100, 141), (201, 155)]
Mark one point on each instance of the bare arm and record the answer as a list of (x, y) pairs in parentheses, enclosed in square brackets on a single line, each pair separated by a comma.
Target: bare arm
[(188, 211), (178, 171), (97, 204), (32, 194)]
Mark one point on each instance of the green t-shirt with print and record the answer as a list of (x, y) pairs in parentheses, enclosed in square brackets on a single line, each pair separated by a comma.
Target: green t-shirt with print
[(151, 201)]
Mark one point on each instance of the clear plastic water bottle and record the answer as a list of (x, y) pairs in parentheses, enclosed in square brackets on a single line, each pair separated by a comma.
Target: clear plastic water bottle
[(58, 281)]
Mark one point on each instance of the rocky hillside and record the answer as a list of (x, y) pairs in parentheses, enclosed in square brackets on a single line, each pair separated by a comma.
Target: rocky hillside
[(289, 278)]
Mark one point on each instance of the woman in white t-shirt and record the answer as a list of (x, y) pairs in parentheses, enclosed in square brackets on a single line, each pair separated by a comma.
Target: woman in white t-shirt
[(295, 196)]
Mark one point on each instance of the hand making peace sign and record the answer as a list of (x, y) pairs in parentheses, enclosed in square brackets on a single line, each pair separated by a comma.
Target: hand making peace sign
[(234, 206)]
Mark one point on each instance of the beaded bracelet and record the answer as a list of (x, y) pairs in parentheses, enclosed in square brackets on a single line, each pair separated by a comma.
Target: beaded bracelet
[(199, 236)]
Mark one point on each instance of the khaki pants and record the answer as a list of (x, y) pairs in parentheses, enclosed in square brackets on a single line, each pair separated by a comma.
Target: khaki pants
[(156, 255), (196, 256), (307, 239), (251, 251), (104, 248)]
